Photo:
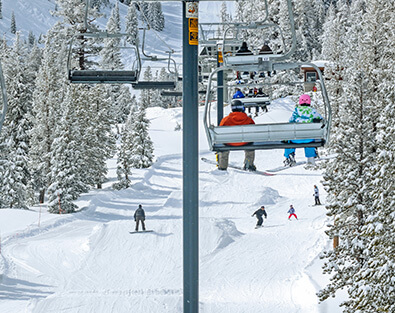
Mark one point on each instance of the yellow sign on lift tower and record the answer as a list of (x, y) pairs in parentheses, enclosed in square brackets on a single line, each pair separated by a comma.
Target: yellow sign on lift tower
[(193, 31)]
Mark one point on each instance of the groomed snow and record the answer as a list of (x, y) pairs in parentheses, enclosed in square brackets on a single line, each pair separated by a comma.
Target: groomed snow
[(88, 261)]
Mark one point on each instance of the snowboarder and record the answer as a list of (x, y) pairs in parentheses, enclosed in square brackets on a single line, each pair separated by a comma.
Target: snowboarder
[(258, 213), (237, 117), (291, 212), (316, 195), (139, 216), (303, 113)]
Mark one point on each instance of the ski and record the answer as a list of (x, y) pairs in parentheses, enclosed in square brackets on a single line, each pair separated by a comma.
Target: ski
[(281, 168), (239, 168), (140, 231)]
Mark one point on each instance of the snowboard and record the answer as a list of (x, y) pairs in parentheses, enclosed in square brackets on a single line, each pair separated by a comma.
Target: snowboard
[(140, 231), (239, 168)]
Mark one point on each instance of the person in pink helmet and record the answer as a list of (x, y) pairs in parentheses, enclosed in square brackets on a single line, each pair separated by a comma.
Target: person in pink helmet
[(303, 113)]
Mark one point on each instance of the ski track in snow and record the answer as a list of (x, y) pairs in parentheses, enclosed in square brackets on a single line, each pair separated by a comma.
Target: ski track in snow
[(88, 261)]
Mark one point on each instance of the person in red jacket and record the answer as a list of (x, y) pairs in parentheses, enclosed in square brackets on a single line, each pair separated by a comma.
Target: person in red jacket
[(237, 117)]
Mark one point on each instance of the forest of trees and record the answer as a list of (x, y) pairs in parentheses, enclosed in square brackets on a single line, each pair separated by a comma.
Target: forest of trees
[(57, 136)]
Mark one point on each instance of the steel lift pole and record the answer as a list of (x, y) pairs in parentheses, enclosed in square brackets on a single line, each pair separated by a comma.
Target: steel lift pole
[(190, 157)]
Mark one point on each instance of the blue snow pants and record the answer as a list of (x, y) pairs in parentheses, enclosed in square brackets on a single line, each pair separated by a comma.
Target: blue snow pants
[(309, 152)]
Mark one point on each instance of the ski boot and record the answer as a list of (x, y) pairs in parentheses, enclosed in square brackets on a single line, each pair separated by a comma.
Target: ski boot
[(290, 161), (249, 167)]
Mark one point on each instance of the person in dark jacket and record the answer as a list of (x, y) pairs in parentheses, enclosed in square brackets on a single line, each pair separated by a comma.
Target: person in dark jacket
[(258, 213), (139, 216), (265, 50), (317, 195), (244, 50)]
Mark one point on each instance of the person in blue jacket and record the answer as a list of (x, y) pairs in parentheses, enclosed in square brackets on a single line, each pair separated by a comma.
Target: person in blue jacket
[(238, 94), (303, 113)]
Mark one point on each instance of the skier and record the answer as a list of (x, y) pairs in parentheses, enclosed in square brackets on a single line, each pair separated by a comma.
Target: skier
[(258, 213), (139, 216), (316, 195), (244, 50), (237, 117), (291, 212), (238, 94), (303, 113)]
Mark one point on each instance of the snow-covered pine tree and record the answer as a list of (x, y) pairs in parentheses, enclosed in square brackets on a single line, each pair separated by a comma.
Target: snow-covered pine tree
[(124, 163), (102, 142), (146, 96), (141, 155), (333, 50), (31, 39), (47, 98), (155, 16), (111, 56), (361, 194), (164, 101), (66, 155), (13, 23), (131, 24), (144, 12), (123, 104), (15, 132)]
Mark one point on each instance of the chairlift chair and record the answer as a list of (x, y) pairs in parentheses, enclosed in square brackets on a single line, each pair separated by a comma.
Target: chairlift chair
[(272, 135), (99, 75), (3, 102), (171, 66), (262, 61)]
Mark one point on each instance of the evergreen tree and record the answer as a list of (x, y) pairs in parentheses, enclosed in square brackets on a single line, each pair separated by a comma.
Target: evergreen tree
[(13, 23), (31, 39), (111, 56), (146, 97), (333, 50), (141, 155), (155, 16), (15, 133), (124, 163), (101, 145), (65, 175), (131, 24), (358, 181), (47, 98)]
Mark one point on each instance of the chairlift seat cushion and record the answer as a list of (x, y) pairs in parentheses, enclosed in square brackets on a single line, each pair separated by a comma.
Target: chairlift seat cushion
[(102, 76), (154, 85)]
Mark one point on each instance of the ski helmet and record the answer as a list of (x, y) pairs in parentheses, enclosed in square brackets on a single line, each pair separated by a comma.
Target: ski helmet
[(304, 100), (237, 106)]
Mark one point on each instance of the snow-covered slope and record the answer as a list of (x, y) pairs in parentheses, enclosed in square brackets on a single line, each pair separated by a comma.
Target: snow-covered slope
[(89, 262)]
